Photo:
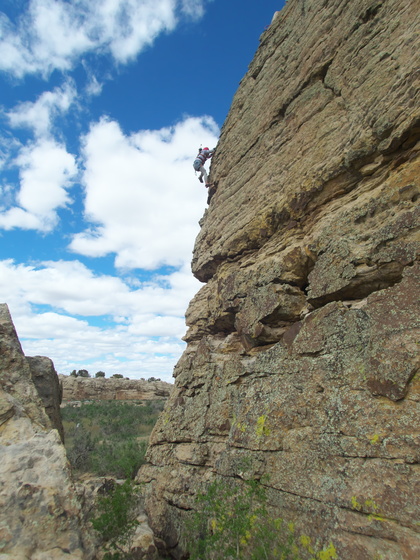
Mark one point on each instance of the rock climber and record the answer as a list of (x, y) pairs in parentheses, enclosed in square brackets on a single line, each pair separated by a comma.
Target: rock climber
[(203, 155)]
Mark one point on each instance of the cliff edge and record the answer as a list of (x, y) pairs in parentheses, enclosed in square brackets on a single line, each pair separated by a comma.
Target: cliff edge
[(302, 351)]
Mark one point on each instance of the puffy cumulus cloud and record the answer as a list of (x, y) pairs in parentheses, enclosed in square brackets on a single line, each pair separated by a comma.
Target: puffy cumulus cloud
[(53, 34), (19, 218), (84, 347), (39, 116), (46, 171), (77, 318), (47, 36), (129, 25), (157, 325), (142, 199), (72, 288)]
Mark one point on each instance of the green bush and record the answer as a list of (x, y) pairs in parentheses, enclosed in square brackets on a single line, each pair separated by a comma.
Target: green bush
[(119, 459), (108, 438), (232, 522), (80, 452), (115, 519)]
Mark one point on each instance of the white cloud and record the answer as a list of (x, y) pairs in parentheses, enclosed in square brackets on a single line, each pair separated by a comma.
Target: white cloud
[(93, 87), (142, 198), (138, 331), (158, 325), (128, 26), (193, 8), (144, 204), (19, 218), (38, 116), (142, 201), (47, 170), (71, 287), (54, 34), (96, 351)]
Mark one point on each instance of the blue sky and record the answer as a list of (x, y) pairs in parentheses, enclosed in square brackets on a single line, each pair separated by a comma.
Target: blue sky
[(103, 104)]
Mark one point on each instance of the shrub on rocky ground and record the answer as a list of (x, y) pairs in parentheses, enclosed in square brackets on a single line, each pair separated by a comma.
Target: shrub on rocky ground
[(108, 438), (232, 521)]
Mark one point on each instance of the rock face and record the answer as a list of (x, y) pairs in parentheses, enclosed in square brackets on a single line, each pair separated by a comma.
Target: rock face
[(85, 388), (49, 388), (303, 345), (40, 515)]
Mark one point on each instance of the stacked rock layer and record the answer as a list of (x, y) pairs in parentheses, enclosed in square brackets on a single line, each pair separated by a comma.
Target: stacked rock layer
[(303, 344)]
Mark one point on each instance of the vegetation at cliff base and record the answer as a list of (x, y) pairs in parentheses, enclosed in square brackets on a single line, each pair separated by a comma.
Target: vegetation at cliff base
[(108, 438), (116, 519), (232, 521)]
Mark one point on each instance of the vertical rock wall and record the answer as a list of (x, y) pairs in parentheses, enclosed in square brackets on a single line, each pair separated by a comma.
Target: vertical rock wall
[(40, 514), (49, 388), (303, 345)]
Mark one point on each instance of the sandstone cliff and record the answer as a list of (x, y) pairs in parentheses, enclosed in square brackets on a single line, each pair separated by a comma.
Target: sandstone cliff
[(40, 513), (303, 344), (85, 388)]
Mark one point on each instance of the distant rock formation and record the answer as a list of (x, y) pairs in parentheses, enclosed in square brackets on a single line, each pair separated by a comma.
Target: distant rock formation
[(40, 515), (303, 345), (100, 388)]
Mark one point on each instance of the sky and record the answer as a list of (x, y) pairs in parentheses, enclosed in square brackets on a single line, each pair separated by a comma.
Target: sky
[(103, 105)]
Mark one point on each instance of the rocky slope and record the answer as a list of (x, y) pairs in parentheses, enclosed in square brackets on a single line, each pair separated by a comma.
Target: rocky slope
[(84, 388), (303, 344), (40, 512)]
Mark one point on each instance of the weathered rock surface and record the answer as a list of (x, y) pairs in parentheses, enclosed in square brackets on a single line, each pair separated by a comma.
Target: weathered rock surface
[(88, 388), (303, 346), (49, 388), (40, 514)]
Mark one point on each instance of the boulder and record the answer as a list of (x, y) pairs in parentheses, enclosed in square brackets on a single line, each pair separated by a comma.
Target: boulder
[(41, 516)]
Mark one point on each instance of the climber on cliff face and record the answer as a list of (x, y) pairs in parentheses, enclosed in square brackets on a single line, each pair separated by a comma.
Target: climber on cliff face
[(202, 156)]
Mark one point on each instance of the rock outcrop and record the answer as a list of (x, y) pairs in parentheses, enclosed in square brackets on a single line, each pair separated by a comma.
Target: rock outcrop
[(108, 389), (49, 388), (40, 514), (303, 345)]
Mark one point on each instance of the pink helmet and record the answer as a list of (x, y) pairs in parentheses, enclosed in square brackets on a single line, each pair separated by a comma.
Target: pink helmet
[(205, 148)]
